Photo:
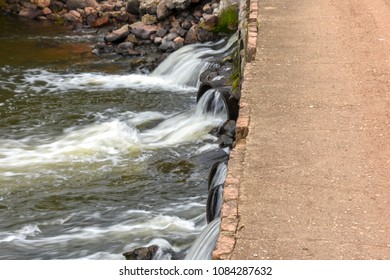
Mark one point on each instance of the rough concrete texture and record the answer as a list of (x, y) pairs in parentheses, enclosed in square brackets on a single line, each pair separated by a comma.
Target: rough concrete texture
[(314, 176)]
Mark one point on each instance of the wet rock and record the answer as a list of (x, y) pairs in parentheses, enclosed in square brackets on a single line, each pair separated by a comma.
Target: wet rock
[(142, 30), (46, 11), (225, 141), (228, 128), (118, 35), (204, 35), (30, 13), (143, 253), (124, 48), (132, 6), (177, 4), (214, 202)]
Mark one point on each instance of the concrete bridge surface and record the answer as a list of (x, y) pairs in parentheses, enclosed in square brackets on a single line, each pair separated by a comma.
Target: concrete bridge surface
[(315, 180)]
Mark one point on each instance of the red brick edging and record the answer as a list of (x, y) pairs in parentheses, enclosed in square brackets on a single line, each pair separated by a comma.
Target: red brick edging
[(229, 214)]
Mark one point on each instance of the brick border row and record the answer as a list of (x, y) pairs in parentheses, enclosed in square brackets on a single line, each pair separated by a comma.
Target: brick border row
[(229, 214)]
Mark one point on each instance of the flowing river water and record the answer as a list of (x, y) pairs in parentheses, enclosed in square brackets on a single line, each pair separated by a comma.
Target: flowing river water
[(95, 158)]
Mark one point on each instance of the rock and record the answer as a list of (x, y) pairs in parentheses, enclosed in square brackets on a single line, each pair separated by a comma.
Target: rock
[(70, 17), (143, 253), (56, 6), (204, 35), (76, 4), (179, 41), (118, 35), (41, 3), (107, 7), (210, 22), (91, 3), (46, 11), (207, 9), (131, 38), (142, 30), (162, 10), (149, 19), (148, 7), (123, 48), (177, 4), (192, 35), (99, 22), (157, 40), (132, 6), (161, 32), (30, 13), (176, 28), (186, 25)]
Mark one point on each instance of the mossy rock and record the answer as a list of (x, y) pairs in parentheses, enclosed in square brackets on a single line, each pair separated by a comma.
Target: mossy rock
[(227, 20)]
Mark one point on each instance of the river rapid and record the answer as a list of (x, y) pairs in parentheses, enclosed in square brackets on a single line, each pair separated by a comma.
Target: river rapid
[(97, 158)]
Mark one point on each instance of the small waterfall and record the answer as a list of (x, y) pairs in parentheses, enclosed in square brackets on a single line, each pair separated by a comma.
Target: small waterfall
[(190, 61), (219, 176), (204, 245)]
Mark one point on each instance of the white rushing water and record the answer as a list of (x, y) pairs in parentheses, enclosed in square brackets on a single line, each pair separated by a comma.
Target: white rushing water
[(191, 60), (94, 184)]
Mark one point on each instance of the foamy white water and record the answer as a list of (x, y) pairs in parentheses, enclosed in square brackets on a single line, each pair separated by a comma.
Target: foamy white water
[(102, 170), (191, 60), (44, 81)]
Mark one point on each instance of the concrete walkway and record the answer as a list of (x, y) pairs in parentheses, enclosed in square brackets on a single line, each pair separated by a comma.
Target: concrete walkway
[(316, 164)]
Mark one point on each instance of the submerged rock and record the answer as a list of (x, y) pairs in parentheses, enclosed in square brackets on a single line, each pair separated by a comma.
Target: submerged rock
[(143, 253)]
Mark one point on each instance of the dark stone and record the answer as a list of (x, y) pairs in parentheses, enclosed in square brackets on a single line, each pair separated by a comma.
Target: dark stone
[(214, 202), (76, 4), (143, 31), (161, 32), (56, 6), (229, 128), (143, 253), (186, 25), (192, 35), (132, 6), (204, 35), (126, 46), (225, 141), (118, 35)]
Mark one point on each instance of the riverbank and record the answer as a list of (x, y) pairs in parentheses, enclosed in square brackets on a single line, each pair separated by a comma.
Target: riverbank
[(134, 27)]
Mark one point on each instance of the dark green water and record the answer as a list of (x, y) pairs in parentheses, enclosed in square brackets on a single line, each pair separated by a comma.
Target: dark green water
[(95, 160)]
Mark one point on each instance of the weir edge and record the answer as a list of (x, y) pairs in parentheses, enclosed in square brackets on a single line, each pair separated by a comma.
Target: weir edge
[(226, 241)]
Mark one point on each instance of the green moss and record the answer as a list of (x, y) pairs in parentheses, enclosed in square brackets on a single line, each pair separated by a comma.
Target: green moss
[(227, 20)]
